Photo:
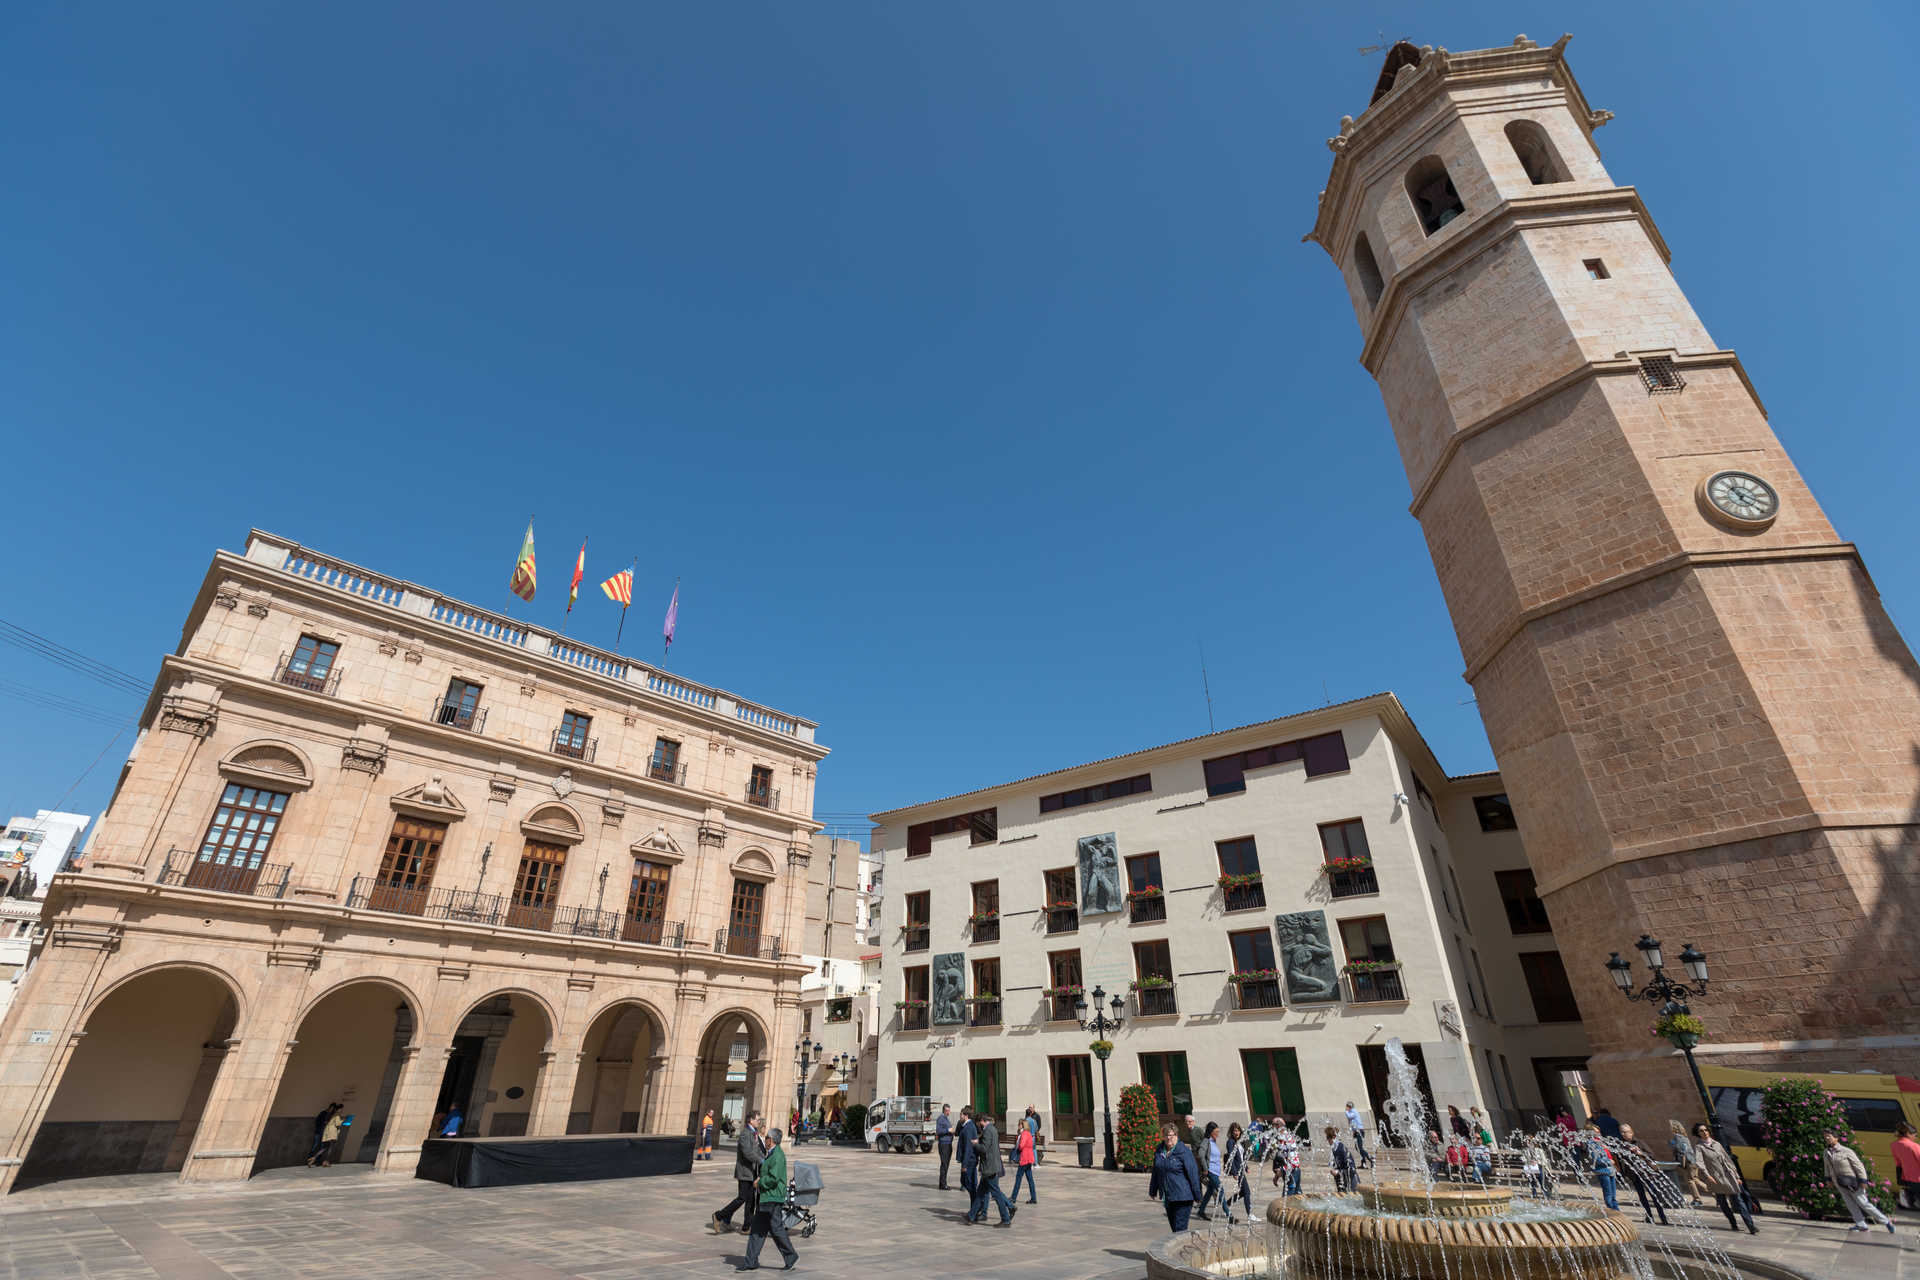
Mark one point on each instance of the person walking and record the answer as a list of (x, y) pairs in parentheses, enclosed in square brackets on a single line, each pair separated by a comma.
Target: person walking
[(1286, 1158), (1176, 1180), (1209, 1160), (749, 1151), (1032, 1122), (1692, 1174), (969, 1155), (1345, 1176), (1609, 1127), (1534, 1163), (769, 1212), (1233, 1169), (1636, 1162), (1906, 1160), (319, 1129), (1359, 1130), (1722, 1178), (1849, 1174), (1600, 1160), (706, 1137), (987, 1171), (943, 1137), (1023, 1159), (329, 1138)]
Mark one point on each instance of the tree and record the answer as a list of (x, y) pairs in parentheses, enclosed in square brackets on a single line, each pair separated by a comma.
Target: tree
[(1139, 1127), (854, 1120), (1797, 1117)]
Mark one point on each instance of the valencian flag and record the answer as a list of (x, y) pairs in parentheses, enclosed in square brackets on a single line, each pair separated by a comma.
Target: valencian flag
[(522, 582), (619, 589), (579, 570)]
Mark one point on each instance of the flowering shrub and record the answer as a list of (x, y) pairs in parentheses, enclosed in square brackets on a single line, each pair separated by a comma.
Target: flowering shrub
[(1348, 864), (1145, 892), (1139, 1128), (1797, 1116), (1240, 880), (909, 1004), (984, 917), (1051, 992), (1254, 975), (1062, 906), (1149, 983)]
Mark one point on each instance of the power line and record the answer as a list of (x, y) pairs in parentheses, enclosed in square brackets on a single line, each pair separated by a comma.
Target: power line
[(72, 659), (64, 705)]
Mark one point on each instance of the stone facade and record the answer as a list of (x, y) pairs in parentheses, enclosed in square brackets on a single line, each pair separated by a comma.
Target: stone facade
[(1450, 983), (1707, 725), (556, 902)]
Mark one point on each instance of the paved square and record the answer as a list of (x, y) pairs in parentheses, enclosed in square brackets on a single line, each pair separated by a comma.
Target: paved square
[(880, 1216)]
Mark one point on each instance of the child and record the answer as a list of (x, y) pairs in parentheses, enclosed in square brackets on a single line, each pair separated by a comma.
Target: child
[(1459, 1160)]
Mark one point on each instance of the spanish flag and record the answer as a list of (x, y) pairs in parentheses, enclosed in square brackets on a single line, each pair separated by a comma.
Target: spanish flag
[(522, 582)]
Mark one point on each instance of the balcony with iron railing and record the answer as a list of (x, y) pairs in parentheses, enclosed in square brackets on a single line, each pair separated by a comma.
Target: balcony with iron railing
[(986, 926), (615, 926), (1242, 893), (1352, 881), (765, 797), (574, 746), (1257, 990), (1063, 917), (1156, 1001), (468, 906), (916, 937), (189, 870), (456, 716), (738, 942), (983, 1011), (1061, 1004), (1375, 985), (667, 771), (325, 682), (1145, 906), (913, 1015), (411, 603)]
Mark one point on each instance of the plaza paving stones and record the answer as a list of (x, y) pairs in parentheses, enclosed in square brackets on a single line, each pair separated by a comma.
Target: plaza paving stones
[(880, 1216)]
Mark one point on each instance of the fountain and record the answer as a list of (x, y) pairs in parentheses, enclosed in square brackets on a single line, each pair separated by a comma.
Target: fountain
[(1408, 1226)]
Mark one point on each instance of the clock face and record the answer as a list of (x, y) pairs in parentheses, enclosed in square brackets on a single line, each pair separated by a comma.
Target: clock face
[(1741, 498)]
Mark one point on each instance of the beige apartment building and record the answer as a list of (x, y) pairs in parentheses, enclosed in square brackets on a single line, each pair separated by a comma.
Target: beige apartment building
[(381, 847), (1271, 904)]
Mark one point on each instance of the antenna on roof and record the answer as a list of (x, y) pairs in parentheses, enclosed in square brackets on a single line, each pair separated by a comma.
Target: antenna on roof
[(1384, 45), (1204, 686)]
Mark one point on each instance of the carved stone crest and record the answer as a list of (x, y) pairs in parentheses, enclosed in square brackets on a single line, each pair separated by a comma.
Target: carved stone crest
[(563, 785)]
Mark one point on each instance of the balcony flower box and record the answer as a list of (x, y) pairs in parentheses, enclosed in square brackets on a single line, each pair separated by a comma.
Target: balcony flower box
[(1243, 976), (984, 917), (909, 1004), (987, 999), (1370, 966), (1149, 984), (1147, 894), (1243, 880), (1347, 864), (1055, 993), (1063, 906)]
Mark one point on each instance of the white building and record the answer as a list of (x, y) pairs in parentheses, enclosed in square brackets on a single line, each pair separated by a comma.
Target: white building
[(1193, 880), (40, 844)]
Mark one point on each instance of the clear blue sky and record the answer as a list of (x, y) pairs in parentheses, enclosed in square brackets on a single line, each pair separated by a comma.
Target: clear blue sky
[(963, 359)]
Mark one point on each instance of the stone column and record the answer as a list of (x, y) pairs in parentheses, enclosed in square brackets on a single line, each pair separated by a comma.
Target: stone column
[(650, 1099), (43, 1029), (480, 1101), (212, 1056), (376, 1130), (756, 1088), (610, 1078), (552, 1103), (413, 1097)]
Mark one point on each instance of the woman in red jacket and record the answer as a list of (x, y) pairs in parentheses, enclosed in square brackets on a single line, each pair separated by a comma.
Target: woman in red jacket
[(1023, 1148)]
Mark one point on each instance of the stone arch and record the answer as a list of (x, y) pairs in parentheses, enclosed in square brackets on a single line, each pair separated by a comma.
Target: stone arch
[(349, 1046), (623, 1059), (235, 992), (1536, 153), (755, 864), (1367, 268), (1436, 201), (177, 1021), (269, 762), (500, 1051), (735, 1035), (554, 820)]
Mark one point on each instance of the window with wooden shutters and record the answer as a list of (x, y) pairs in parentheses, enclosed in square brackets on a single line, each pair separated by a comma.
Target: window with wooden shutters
[(311, 666), (536, 885), (1063, 975), (665, 764), (743, 917), (919, 930), (237, 839), (407, 868), (647, 902)]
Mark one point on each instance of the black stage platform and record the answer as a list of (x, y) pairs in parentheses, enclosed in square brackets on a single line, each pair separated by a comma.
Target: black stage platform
[(513, 1162)]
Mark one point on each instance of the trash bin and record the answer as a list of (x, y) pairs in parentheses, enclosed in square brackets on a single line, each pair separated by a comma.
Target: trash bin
[(1086, 1152)]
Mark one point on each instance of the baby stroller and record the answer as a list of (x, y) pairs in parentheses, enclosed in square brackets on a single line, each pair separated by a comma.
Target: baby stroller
[(803, 1194)]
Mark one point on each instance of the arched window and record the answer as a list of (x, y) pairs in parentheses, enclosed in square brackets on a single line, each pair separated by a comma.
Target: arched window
[(1367, 269), (1435, 201), (1537, 156)]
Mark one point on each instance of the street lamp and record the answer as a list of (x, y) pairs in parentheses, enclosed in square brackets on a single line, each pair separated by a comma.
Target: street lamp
[(1673, 997), (805, 1054), (1100, 1024)]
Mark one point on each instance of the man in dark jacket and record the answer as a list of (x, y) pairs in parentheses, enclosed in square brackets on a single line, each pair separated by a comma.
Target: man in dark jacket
[(748, 1155), (987, 1175), (969, 1153), (772, 1220), (943, 1134)]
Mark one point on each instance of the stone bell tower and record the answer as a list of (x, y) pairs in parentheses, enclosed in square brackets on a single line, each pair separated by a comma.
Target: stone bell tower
[(1708, 725)]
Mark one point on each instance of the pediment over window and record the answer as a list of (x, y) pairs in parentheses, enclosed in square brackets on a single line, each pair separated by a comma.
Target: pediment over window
[(658, 846), (754, 864), (556, 823), (431, 799), (276, 765)]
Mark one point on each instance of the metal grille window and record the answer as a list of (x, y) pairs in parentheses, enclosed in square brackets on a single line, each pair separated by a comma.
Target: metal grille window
[(243, 827), (1662, 378)]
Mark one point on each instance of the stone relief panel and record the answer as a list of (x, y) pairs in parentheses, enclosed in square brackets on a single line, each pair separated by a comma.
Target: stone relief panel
[(1306, 957), (950, 988), (1100, 875)]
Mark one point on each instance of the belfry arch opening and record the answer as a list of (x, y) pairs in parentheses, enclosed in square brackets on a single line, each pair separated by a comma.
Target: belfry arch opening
[(623, 1066), (349, 1049), (1367, 270), (1536, 153), (493, 1073), (1435, 200), (132, 1096)]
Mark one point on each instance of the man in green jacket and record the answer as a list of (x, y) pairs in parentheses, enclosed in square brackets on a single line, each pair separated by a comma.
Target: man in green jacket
[(770, 1217)]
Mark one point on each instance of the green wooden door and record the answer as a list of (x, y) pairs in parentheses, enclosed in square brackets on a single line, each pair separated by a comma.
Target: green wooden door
[(990, 1088), (1273, 1083)]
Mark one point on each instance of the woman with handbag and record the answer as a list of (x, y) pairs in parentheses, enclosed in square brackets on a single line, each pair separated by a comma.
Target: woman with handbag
[(1849, 1174), (1722, 1176)]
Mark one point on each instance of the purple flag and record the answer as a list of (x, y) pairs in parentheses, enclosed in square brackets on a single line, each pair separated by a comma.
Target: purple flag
[(673, 618)]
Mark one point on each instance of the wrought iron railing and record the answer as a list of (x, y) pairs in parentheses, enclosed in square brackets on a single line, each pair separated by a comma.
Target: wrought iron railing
[(667, 771), (987, 930), (985, 1013), (917, 937), (456, 716), (1245, 897), (736, 943), (914, 1019), (326, 682), (567, 744), (368, 893), (765, 797), (1063, 919), (1155, 1002), (615, 926), (1258, 995), (1348, 884), (1376, 986), (184, 867), (1147, 910), (467, 906), (1061, 1009)]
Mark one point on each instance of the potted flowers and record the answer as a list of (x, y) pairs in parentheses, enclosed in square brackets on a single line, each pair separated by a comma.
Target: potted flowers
[(909, 1004), (1054, 993), (1144, 893), (1370, 966), (1682, 1030), (1102, 1049), (1347, 864), (984, 917), (1151, 982), (1243, 976), (1239, 880)]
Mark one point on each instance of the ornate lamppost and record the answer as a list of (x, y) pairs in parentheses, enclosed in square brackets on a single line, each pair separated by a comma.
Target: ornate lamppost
[(1100, 1024), (1682, 1028), (805, 1055)]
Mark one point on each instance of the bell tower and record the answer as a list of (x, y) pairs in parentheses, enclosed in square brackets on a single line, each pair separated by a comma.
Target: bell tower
[(1708, 725)]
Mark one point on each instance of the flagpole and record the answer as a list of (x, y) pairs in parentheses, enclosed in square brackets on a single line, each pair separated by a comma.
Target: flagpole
[(666, 643), (573, 586), (628, 605), (509, 608)]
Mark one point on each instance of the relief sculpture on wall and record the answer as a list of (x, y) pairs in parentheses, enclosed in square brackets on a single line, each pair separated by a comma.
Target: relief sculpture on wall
[(1100, 875), (1306, 957), (950, 988)]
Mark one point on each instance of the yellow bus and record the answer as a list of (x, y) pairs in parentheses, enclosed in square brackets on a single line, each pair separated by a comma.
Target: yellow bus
[(1875, 1104)]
